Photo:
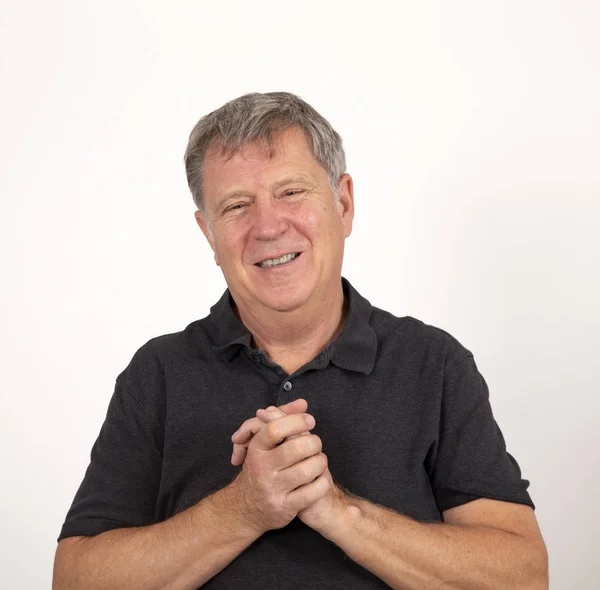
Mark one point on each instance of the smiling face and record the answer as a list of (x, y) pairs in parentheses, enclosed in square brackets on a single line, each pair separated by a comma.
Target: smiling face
[(275, 228)]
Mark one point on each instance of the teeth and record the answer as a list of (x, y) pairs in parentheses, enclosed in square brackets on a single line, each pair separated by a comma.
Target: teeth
[(275, 261)]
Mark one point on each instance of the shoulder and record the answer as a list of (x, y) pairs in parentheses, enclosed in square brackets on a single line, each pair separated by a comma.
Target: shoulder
[(417, 338), (166, 353), (190, 341)]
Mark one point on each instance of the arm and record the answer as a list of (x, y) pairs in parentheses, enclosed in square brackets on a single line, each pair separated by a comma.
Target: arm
[(181, 553), (482, 544), (276, 482), (111, 538), (485, 543)]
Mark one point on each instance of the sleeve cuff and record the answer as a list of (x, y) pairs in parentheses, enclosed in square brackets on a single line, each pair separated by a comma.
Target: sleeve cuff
[(451, 497), (88, 527)]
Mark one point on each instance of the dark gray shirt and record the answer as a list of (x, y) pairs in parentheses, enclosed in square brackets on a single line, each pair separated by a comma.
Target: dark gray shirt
[(403, 413)]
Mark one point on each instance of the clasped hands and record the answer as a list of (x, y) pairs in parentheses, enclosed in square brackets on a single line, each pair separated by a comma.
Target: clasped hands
[(284, 473)]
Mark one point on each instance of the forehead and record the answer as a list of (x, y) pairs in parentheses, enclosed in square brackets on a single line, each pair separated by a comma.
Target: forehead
[(257, 164)]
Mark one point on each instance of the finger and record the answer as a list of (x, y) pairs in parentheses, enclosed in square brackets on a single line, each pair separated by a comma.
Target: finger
[(239, 454), (251, 427), (270, 414), (294, 407), (291, 452), (304, 471), (276, 431), (243, 435), (248, 428), (308, 494), (239, 448)]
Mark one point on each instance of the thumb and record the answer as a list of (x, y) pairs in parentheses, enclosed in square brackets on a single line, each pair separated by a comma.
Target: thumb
[(272, 413), (298, 406)]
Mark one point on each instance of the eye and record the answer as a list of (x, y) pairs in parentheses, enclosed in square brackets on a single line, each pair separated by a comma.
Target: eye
[(292, 192), (235, 207)]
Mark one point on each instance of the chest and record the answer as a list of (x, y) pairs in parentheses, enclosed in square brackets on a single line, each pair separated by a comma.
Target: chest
[(377, 432)]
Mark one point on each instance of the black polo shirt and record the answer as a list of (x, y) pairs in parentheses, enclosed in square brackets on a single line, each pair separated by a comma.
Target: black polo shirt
[(403, 413)]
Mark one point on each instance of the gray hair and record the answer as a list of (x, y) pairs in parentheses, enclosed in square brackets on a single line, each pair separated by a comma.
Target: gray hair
[(260, 117)]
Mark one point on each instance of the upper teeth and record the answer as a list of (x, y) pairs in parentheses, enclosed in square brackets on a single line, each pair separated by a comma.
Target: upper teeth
[(276, 261)]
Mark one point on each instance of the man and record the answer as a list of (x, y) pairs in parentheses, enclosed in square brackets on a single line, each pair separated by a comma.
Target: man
[(403, 482)]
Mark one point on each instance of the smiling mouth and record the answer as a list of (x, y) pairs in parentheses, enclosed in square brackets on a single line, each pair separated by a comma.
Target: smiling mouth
[(279, 261)]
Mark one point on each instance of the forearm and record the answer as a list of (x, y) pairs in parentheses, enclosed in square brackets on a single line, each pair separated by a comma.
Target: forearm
[(405, 553), (178, 554)]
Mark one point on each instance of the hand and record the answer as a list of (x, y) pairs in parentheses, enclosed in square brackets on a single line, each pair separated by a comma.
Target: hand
[(323, 512), (241, 438), (279, 476)]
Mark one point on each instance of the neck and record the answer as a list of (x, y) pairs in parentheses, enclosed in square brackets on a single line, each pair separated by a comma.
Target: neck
[(292, 339)]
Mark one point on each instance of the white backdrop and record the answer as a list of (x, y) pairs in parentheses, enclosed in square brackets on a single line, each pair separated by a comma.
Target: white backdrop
[(472, 131)]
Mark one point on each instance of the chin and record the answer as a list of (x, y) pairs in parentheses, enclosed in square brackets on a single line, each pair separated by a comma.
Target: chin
[(284, 298), (283, 302)]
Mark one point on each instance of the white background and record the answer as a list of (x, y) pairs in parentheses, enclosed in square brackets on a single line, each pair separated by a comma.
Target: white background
[(472, 131)]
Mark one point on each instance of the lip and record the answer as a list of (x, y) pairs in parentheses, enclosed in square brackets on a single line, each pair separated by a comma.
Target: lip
[(279, 267), (279, 256)]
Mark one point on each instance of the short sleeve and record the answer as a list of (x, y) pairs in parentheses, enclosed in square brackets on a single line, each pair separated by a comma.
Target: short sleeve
[(121, 483), (471, 460)]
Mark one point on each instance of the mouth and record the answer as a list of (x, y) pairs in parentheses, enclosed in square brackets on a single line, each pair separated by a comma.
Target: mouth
[(281, 260)]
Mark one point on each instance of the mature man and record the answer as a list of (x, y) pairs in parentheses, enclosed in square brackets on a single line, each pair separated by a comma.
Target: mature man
[(404, 481)]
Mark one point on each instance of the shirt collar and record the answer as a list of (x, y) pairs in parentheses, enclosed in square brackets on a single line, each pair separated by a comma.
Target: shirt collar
[(355, 349)]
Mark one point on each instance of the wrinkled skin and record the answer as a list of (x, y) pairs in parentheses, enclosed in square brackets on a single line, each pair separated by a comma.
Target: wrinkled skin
[(319, 513)]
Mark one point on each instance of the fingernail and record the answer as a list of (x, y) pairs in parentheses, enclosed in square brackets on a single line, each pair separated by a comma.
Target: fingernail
[(233, 435), (310, 421)]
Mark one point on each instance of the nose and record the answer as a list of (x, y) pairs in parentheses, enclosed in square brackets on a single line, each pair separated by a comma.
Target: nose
[(268, 221)]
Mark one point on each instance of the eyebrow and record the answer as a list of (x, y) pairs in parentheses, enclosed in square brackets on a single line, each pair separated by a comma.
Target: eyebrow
[(276, 186), (291, 180)]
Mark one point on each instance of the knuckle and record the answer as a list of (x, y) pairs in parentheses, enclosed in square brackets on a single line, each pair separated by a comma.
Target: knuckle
[(302, 447), (317, 443), (245, 429), (277, 483), (324, 484), (324, 461), (273, 430), (303, 472), (310, 444), (287, 503), (248, 423)]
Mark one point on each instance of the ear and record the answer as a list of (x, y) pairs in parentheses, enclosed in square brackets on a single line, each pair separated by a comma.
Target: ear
[(346, 202), (203, 224)]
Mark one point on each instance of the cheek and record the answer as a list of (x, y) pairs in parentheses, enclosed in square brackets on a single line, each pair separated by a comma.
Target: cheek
[(311, 225), (228, 247), (322, 225), (311, 221)]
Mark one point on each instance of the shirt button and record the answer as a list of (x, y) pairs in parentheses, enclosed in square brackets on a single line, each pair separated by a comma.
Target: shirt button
[(256, 358), (287, 385)]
